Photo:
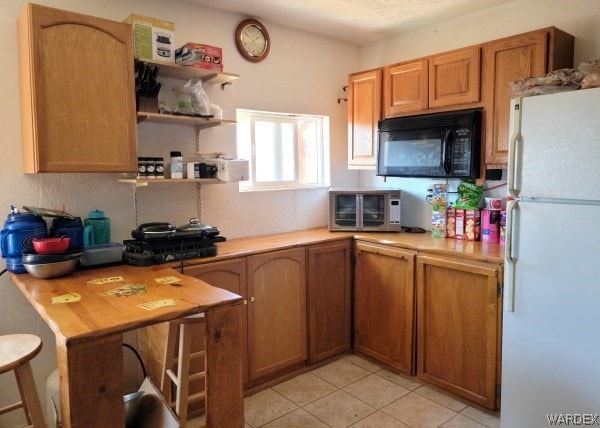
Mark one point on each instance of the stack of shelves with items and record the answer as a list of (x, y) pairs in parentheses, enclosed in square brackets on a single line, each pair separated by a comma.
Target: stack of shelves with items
[(175, 71)]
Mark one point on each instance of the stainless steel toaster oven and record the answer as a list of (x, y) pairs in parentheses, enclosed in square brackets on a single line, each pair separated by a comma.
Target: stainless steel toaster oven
[(376, 210)]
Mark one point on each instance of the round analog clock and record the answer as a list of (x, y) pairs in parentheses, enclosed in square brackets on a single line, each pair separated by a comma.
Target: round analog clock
[(252, 40)]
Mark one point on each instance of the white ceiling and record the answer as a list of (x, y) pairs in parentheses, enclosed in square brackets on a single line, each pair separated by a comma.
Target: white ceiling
[(354, 21)]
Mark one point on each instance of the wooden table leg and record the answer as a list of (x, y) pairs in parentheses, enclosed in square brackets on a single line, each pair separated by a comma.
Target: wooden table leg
[(224, 397), (91, 387)]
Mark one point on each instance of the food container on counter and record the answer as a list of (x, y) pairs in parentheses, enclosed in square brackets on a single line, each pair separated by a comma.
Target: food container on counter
[(490, 225)]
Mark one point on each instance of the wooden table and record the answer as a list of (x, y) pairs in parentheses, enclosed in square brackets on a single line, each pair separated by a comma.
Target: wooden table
[(89, 333)]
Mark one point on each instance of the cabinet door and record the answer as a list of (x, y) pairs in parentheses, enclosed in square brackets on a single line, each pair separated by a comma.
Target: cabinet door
[(513, 58), (507, 60), (457, 326), (364, 111), (229, 275), (77, 92), (384, 302), (454, 77), (329, 282), (276, 311), (405, 88)]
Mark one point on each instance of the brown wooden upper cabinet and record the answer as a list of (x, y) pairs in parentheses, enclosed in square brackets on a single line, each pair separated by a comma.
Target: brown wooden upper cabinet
[(442, 80), (454, 77), (77, 92), (364, 111), (405, 87), (509, 59)]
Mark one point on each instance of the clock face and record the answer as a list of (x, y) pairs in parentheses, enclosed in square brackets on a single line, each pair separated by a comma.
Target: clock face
[(252, 40)]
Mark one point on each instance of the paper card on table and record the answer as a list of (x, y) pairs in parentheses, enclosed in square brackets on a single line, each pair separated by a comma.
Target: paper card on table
[(149, 306), (108, 280), (67, 298), (168, 280), (126, 290)]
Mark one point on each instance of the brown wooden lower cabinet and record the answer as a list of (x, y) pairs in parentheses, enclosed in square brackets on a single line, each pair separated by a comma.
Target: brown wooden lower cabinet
[(230, 275), (433, 315), (458, 304), (276, 311), (384, 304), (329, 299)]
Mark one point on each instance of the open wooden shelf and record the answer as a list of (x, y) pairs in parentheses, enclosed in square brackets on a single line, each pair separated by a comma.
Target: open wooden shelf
[(143, 182), (199, 122), (177, 71)]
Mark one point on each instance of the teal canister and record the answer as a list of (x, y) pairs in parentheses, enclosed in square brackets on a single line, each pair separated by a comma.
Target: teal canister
[(97, 229)]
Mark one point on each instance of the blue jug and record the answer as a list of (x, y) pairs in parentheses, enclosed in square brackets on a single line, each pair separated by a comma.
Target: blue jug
[(17, 236)]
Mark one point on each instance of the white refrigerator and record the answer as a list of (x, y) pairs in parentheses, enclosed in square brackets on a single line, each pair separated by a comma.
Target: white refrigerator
[(551, 318)]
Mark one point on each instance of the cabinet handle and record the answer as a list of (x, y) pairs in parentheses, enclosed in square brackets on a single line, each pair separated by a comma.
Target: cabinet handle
[(245, 302), (252, 299)]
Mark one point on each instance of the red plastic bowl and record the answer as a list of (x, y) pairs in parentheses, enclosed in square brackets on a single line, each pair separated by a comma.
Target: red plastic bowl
[(51, 245)]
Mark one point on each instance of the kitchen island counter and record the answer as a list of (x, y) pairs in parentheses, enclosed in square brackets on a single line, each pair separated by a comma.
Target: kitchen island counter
[(88, 322)]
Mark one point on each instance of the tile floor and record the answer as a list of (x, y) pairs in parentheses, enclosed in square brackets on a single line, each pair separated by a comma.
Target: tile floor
[(354, 392)]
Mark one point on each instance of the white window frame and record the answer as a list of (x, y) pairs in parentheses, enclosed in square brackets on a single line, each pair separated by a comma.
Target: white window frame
[(252, 116)]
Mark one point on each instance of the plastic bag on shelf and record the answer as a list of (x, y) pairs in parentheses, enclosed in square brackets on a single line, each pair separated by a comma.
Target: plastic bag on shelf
[(565, 79), (193, 100), (592, 80), (590, 67)]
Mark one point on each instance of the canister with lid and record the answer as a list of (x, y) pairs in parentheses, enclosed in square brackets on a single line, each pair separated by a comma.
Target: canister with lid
[(98, 231), (159, 167), (176, 165)]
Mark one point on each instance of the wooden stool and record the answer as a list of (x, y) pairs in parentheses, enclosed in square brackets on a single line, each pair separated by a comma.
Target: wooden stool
[(15, 352), (182, 379)]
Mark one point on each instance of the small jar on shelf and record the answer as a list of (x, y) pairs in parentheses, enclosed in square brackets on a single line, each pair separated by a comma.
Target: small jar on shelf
[(159, 168)]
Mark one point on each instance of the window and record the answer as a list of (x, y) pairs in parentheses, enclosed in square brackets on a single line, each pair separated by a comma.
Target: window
[(286, 151)]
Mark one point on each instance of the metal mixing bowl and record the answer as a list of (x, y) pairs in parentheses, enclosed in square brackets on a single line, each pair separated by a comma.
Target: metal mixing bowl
[(51, 270)]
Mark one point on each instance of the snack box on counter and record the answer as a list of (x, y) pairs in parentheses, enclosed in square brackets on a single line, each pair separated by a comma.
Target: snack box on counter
[(463, 224), (200, 56), (153, 38)]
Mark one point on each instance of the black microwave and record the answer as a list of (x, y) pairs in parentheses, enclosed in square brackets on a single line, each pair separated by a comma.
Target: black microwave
[(439, 145)]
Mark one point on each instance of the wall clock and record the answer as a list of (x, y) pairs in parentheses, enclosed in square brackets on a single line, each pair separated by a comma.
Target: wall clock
[(252, 40)]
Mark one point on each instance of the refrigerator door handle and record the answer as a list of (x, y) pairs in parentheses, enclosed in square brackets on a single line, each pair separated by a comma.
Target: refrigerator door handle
[(509, 258), (359, 211), (512, 147)]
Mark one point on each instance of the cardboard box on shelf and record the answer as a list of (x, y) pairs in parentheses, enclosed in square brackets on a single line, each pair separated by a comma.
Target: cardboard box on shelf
[(200, 56), (153, 38)]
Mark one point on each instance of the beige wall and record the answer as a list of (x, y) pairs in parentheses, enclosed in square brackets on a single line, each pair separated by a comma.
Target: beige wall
[(304, 73), (577, 17)]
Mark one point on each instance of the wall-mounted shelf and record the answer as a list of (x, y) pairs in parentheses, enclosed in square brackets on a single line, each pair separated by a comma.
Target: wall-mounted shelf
[(199, 122), (142, 182), (183, 72)]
